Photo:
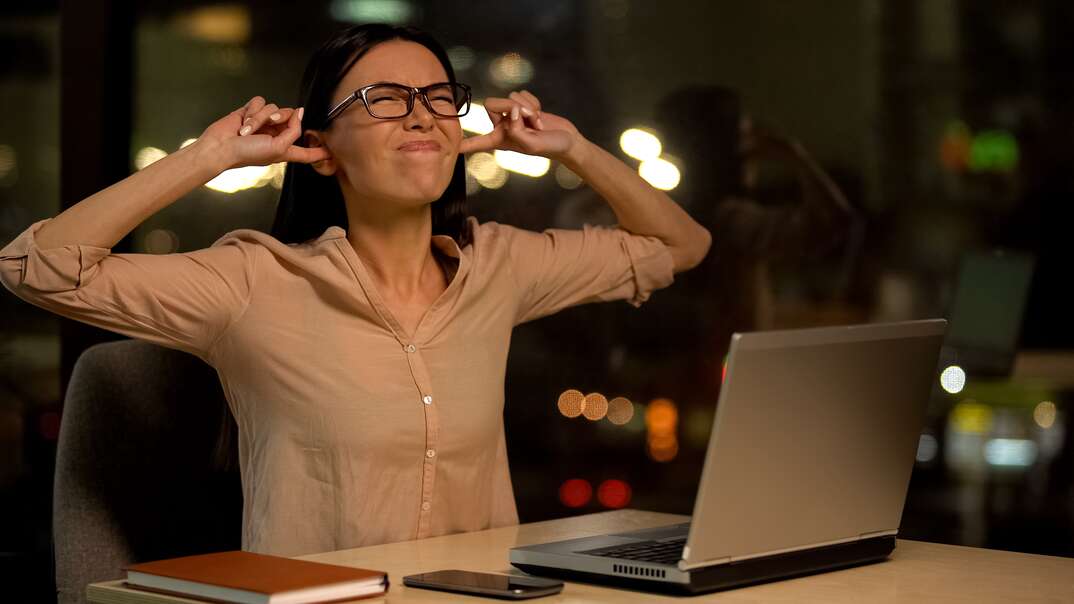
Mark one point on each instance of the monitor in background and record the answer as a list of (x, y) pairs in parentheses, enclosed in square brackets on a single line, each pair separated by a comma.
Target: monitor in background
[(986, 311)]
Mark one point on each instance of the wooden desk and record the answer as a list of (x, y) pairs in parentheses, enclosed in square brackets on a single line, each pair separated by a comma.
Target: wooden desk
[(917, 572)]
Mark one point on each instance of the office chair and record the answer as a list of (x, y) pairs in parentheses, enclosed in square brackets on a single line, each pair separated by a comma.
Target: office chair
[(145, 465)]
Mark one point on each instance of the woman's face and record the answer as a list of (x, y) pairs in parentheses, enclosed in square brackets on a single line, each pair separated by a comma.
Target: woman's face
[(366, 153)]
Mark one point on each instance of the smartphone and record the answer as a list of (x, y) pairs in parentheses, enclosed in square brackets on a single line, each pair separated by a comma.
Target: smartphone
[(509, 587)]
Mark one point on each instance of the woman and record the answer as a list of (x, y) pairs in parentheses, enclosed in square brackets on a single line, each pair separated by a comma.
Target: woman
[(364, 366)]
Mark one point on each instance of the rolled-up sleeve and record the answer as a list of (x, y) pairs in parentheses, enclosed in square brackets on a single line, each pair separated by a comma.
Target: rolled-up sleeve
[(560, 268), (182, 301)]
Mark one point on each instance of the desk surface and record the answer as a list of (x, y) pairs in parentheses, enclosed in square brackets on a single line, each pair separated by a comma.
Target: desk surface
[(917, 571)]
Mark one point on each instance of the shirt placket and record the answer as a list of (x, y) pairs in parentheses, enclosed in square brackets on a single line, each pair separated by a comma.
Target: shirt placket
[(427, 399)]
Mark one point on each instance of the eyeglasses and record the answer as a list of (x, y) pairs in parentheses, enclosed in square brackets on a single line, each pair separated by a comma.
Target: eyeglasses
[(386, 100)]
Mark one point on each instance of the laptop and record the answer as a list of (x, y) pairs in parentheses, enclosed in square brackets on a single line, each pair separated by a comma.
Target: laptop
[(806, 471)]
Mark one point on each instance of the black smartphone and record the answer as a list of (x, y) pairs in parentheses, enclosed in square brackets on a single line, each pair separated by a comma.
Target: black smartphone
[(509, 587)]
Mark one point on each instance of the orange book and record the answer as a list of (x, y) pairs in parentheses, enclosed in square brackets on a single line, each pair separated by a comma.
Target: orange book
[(251, 578)]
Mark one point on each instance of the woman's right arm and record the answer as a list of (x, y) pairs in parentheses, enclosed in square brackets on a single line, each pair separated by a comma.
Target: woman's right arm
[(184, 301), (104, 218)]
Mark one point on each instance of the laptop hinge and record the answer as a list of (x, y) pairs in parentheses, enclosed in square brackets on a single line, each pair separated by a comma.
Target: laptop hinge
[(685, 567), (872, 534)]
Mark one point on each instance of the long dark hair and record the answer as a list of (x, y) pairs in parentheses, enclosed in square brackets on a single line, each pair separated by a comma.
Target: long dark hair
[(310, 202)]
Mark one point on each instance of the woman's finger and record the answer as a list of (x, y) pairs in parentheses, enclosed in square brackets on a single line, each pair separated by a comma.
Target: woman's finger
[(483, 142), (506, 107), (534, 102), (495, 116), (252, 106), (527, 109), (268, 114), (527, 106), (305, 155), (290, 134)]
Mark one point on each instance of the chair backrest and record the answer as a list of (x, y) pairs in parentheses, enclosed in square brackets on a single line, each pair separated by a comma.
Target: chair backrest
[(144, 466)]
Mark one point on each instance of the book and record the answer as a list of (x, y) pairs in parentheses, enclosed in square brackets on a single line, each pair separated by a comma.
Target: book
[(249, 578)]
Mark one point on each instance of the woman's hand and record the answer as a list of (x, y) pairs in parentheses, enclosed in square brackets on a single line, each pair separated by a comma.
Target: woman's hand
[(520, 125), (258, 134)]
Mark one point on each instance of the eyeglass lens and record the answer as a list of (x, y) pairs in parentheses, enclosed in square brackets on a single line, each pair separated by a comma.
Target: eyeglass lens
[(388, 101)]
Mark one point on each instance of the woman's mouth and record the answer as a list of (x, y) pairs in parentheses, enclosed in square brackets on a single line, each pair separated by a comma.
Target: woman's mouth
[(420, 146)]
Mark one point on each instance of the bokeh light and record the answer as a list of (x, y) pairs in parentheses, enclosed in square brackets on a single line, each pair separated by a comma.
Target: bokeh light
[(596, 406), (661, 422), (971, 417), (661, 416), (218, 24), (8, 160), (160, 241), (571, 403), (663, 449), (614, 494), (147, 155), (486, 171), (953, 379), (640, 143), (620, 410), (396, 12), (510, 69), (660, 173), (528, 165), (248, 177), (575, 493), (927, 448), (477, 120), (566, 178), (461, 57), (1044, 414)]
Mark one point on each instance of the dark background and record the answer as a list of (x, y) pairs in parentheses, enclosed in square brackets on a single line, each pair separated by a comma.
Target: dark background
[(947, 124)]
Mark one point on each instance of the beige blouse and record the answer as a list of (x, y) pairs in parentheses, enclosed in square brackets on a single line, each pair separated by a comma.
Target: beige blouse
[(351, 432)]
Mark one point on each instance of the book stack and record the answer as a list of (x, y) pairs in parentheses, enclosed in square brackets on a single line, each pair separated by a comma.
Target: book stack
[(248, 578)]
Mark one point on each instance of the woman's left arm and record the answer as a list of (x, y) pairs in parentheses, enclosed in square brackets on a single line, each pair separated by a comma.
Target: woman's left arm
[(520, 125), (641, 208)]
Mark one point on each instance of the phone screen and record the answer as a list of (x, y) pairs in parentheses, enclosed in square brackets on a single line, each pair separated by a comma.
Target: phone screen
[(460, 580)]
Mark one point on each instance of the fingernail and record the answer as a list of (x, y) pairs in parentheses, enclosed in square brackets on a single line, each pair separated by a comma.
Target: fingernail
[(514, 113), (301, 112), (540, 124), (245, 130), (274, 116), (526, 111)]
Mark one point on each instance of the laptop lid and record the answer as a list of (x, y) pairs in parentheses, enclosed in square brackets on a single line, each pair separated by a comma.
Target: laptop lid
[(814, 439)]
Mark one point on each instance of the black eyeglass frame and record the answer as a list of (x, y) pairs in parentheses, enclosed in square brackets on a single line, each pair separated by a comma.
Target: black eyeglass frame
[(414, 92)]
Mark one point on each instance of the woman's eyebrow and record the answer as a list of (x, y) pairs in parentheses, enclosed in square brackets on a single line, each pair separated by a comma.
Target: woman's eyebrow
[(404, 85)]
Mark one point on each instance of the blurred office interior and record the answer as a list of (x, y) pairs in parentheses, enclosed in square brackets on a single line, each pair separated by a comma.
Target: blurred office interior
[(946, 125)]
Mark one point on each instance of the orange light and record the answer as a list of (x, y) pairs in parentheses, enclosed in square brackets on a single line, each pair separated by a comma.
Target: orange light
[(663, 450), (661, 416), (571, 403), (596, 406)]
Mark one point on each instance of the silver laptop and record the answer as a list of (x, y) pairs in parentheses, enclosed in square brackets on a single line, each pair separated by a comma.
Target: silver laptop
[(806, 471)]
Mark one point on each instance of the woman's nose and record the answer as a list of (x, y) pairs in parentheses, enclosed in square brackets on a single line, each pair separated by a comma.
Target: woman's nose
[(420, 118)]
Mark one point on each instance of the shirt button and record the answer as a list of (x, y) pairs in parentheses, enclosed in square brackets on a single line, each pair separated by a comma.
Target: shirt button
[(410, 348), (430, 453), (428, 400), (426, 505)]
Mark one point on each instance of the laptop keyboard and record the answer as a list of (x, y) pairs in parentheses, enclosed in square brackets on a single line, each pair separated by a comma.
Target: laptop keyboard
[(659, 552)]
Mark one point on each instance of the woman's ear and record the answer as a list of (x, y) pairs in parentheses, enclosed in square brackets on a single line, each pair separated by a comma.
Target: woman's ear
[(325, 167)]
